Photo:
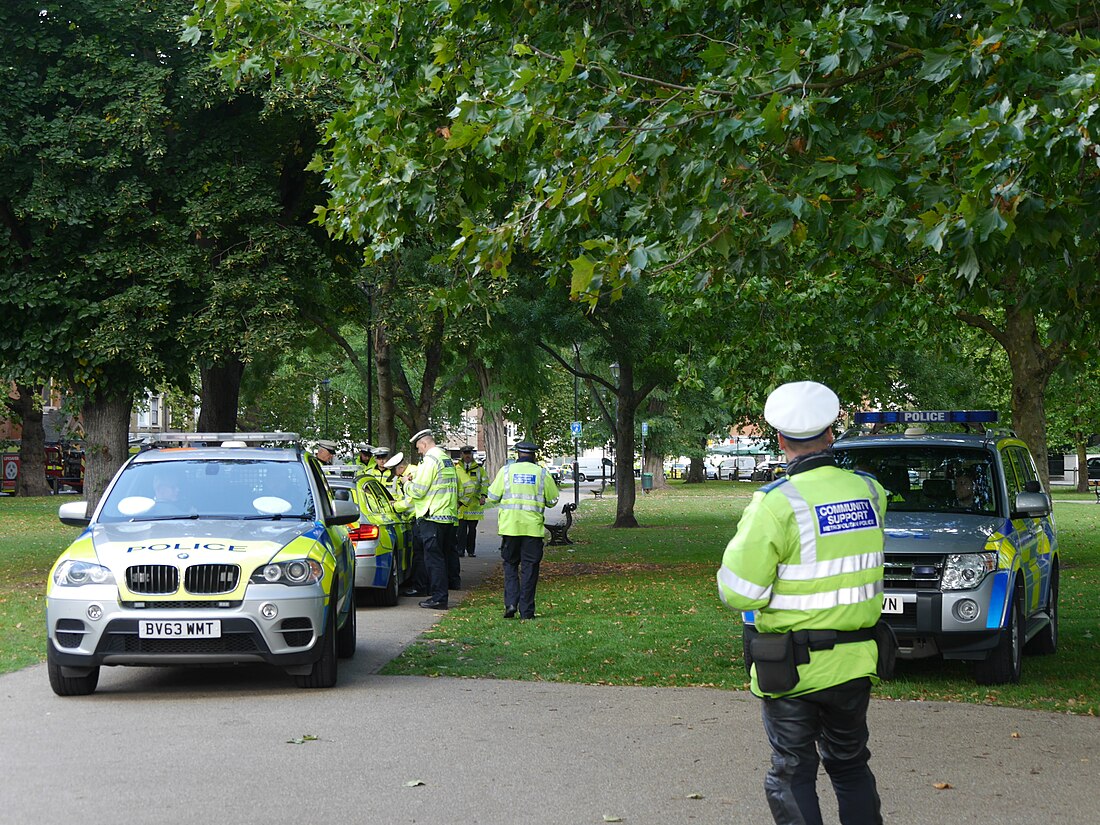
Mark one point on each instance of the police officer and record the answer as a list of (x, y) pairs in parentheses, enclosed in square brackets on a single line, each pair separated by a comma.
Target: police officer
[(807, 562), (522, 490), (326, 451), (473, 486), (374, 469), (365, 460), (433, 492)]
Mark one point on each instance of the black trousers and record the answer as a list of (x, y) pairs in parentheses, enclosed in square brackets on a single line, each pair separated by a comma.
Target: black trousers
[(434, 538), (467, 537), (521, 556), (450, 553), (834, 722)]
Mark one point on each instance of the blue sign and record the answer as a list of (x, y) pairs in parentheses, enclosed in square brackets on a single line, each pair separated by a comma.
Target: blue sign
[(645, 428), (576, 429)]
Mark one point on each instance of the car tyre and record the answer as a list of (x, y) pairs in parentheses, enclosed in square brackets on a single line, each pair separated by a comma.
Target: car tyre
[(383, 596), (1045, 642), (323, 673), (346, 637), (581, 477), (1005, 662), (69, 685)]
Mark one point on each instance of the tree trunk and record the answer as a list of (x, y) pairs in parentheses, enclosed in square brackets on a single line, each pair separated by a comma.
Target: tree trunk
[(696, 473), (1031, 369), (106, 427), (387, 423), (32, 453), (626, 405), (221, 392), (654, 461), (492, 418)]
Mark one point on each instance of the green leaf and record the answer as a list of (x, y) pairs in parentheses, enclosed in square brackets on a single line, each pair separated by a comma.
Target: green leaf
[(939, 64), (584, 270), (779, 230), (569, 60)]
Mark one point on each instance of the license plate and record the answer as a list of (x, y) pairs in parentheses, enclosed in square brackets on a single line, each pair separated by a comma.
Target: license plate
[(157, 629), (892, 604)]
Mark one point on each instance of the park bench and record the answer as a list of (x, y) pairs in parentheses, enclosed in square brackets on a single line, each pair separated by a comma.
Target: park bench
[(559, 533)]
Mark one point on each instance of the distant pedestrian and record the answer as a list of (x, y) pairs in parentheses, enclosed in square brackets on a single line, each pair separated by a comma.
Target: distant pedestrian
[(807, 562), (433, 491), (473, 486), (522, 491)]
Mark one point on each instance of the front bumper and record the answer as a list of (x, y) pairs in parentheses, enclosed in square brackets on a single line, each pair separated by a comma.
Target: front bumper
[(288, 639), (931, 625)]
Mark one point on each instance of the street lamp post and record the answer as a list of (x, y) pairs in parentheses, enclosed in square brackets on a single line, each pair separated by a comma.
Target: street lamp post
[(615, 428), (576, 436), (325, 390)]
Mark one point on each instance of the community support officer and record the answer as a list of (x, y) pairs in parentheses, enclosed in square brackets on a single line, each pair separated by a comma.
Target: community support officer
[(522, 490), (433, 491), (807, 561), (473, 486)]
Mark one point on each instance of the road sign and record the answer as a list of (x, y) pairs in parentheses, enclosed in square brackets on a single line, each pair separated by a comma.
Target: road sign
[(575, 427), (645, 428)]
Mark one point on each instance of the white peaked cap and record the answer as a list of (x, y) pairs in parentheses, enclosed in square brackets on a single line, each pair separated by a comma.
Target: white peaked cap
[(802, 410)]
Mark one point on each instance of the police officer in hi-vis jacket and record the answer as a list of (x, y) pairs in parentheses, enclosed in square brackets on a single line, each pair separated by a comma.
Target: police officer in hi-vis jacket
[(806, 565), (522, 491), (433, 493)]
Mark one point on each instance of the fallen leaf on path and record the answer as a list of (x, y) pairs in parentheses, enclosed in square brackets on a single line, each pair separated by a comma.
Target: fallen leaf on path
[(694, 796), (942, 786), (412, 783), (612, 818)]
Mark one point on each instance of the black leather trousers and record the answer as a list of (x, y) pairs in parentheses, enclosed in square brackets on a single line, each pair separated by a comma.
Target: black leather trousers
[(834, 722)]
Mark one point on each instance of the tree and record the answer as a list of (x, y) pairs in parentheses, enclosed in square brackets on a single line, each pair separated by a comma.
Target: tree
[(948, 146)]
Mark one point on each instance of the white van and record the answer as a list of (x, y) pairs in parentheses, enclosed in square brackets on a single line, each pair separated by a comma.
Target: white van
[(589, 469), (736, 468)]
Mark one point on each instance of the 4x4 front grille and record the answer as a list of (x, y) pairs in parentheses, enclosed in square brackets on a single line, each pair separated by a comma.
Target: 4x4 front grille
[(913, 571), (208, 579), (153, 579)]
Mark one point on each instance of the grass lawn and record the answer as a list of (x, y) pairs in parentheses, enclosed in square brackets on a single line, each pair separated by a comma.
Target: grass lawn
[(640, 607), (628, 607), (31, 537)]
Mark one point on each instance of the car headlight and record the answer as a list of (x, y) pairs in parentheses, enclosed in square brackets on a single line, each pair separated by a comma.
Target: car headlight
[(74, 573), (293, 572), (966, 570)]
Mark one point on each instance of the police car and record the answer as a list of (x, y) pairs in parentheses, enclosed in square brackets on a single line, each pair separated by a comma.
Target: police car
[(382, 535), (972, 563), (197, 554)]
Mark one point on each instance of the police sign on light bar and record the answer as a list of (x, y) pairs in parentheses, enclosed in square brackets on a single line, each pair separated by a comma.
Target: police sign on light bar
[(927, 417)]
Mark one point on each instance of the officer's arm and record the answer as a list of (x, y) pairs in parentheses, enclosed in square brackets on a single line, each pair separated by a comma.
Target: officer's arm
[(496, 489), (422, 480), (750, 560), (550, 492)]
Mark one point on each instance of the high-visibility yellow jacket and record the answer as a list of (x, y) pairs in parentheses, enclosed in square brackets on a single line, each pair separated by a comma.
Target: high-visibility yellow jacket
[(808, 555), (522, 490), (473, 486), (433, 489)]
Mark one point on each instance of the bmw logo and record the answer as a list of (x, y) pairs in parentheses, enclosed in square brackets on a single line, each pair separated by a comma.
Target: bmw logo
[(182, 556)]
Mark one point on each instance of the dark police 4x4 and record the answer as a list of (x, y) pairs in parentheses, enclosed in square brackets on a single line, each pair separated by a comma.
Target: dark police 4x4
[(971, 550)]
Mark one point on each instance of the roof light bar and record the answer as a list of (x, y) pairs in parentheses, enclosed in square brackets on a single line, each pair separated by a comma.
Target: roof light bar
[(926, 417), (218, 438)]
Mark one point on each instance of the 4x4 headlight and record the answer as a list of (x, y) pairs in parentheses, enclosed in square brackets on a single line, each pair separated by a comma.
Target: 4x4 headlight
[(966, 570), (293, 572), (74, 573)]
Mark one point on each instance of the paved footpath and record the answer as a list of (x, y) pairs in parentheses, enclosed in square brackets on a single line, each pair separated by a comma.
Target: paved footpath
[(217, 745)]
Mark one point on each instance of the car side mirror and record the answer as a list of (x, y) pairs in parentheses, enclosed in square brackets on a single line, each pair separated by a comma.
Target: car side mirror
[(1031, 505), (343, 512), (74, 513), (343, 494)]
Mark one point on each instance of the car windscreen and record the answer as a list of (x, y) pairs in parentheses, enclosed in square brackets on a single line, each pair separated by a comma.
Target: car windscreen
[(164, 490), (948, 479)]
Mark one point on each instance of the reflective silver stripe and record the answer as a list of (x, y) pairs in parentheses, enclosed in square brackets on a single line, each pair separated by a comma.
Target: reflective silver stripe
[(874, 495), (742, 587), (804, 518), (831, 567), (530, 508), (824, 601)]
